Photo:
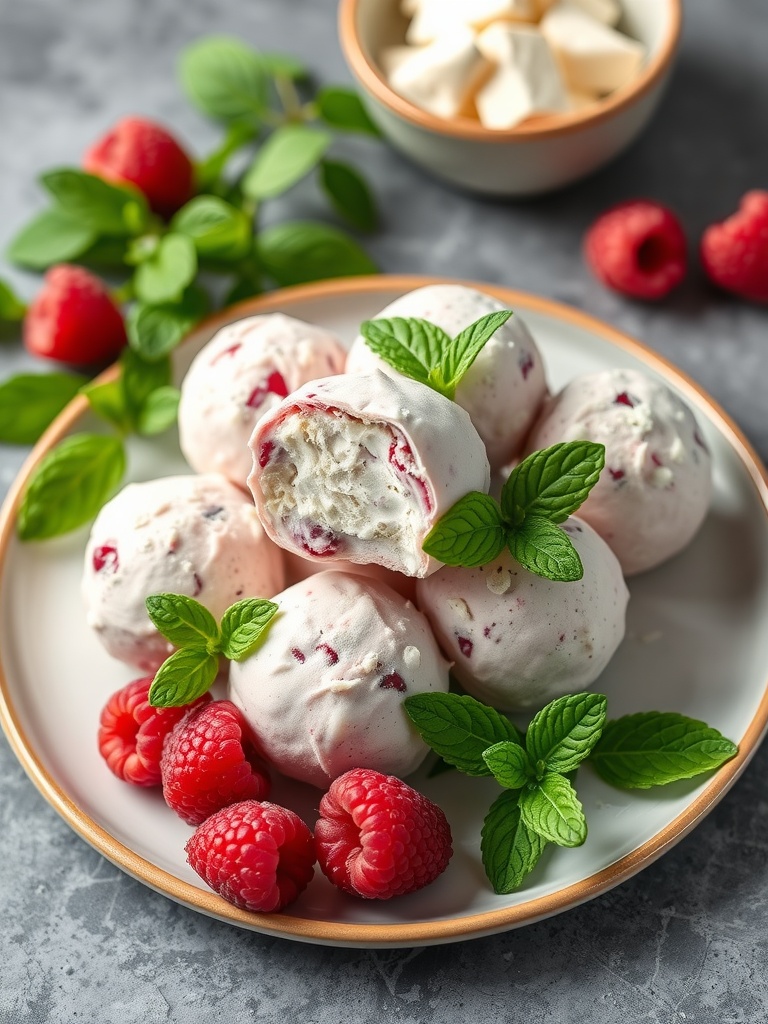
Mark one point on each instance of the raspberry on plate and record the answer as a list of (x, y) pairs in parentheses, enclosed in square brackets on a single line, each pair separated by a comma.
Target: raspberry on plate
[(132, 732), (378, 837), (210, 761), (735, 253), (258, 856), (638, 248)]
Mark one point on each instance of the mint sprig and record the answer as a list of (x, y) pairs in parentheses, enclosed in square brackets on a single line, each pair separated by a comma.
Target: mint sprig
[(509, 849), (540, 493), (30, 402)]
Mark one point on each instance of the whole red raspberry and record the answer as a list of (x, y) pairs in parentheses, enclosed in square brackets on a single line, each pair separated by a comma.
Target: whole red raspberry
[(144, 154), (377, 837), (638, 248), (132, 732), (209, 761), (258, 856), (735, 253), (73, 319)]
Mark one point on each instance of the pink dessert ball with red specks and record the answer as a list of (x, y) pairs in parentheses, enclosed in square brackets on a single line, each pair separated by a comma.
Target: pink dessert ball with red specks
[(518, 640), (193, 535), (655, 490), (324, 692)]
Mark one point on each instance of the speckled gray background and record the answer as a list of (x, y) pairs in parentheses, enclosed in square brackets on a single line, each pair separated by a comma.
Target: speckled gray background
[(687, 940)]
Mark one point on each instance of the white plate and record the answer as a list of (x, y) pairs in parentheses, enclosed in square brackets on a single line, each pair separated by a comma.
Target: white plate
[(696, 643)]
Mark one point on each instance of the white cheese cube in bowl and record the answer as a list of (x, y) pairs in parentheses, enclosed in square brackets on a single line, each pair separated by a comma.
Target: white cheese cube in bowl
[(432, 19), (594, 57), (441, 77)]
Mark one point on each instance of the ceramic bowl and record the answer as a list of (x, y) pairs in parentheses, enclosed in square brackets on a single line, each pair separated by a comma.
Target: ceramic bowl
[(542, 154)]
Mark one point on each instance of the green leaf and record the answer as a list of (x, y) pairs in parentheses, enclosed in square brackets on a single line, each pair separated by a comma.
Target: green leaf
[(154, 331), (288, 155), (70, 484), (281, 65), (459, 728), (467, 345), (12, 309), (563, 733), (554, 482), (343, 109), (219, 230), (209, 170), (182, 620), (553, 811), (412, 347), (224, 78), (509, 764), (141, 249), (243, 625), (119, 211), (108, 401), (185, 676), (159, 411), (510, 850), (471, 533), (543, 548), (140, 378), (164, 276), (349, 194), (52, 237), (30, 402), (654, 748), (298, 251)]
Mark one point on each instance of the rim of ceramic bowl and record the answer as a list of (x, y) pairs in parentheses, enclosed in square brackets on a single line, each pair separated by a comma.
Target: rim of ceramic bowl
[(372, 79)]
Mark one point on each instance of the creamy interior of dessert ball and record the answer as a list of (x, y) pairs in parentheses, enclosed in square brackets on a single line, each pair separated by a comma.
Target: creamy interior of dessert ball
[(505, 386), (193, 535), (656, 487), (324, 692), (245, 370), (518, 640)]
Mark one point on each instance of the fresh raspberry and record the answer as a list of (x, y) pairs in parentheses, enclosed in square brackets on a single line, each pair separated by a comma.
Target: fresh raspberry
[(209, 761), (735, 253), (377, 837), (132, 732), (144, 154), (258, 856), (638, 248)]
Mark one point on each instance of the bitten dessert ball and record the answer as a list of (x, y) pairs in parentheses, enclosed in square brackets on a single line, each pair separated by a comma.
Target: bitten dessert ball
[(193, 535), (505, 386), (518, 640), (324, 692), (242, 373), (655, 489)]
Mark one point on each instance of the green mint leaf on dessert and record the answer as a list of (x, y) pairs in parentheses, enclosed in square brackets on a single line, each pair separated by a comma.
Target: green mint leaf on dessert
[(185, 676), (159, 411), (12, 309), (218, 230), (118, 211), (544, 549), (553, 811), (467, 345), (471, 533), (225, 79), (288, 155), (70, 484), (30, 402), (296, 252), (243, 625), (509, 848), (154, 331), (349, 194), (654, 748), (410, 346), (108, 402), (168, 271), (459, 728), (565, 732), (281, 65), (510, 764), (343, 109), (52, 237), (183, 621), (552, 483)]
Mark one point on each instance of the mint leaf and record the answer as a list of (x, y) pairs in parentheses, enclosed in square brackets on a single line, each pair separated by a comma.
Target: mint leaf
[(185, 676), (288, 155), (154, 331), (280, 65), (467, 345), (182, 620), (243, 625), (224, 78), (349, 194), (412, 347), (159, 411), (70, 484), (12, 309), (209, 170), (509, 764), (30, 402), (140, 378), (52, 237), (218, 230), (510, 850), (164, 276), (459, 728), (543, 548), (115, 210), (343, 109), (553, 811), (298, 251), (471, 533), (108, 402), (654, 748), (564, 732), (552, 483)]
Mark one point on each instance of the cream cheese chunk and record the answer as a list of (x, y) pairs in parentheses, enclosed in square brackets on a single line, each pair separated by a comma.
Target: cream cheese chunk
[(442, 76), (594, 57), (433, 19)]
